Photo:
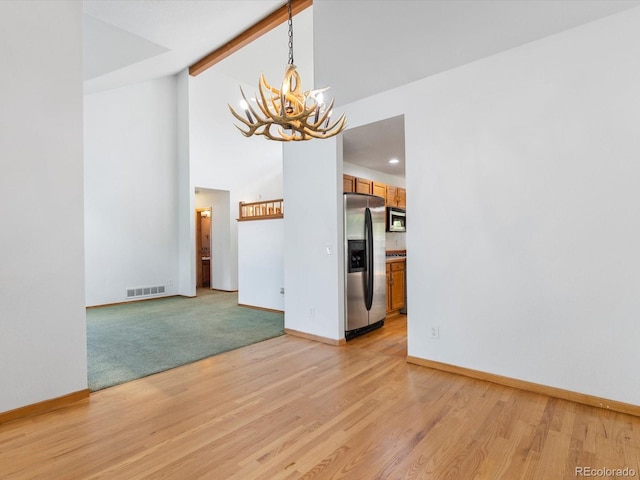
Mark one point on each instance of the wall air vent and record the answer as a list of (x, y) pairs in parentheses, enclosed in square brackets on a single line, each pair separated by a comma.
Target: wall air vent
[(145, 291)]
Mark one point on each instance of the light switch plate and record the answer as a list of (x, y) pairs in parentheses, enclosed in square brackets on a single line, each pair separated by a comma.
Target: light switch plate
[(434, 332)]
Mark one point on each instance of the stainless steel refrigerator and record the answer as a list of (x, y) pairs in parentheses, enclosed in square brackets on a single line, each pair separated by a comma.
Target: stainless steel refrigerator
[(365, 274)]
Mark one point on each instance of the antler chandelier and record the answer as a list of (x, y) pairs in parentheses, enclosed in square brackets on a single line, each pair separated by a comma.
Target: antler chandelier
[(288, 114)]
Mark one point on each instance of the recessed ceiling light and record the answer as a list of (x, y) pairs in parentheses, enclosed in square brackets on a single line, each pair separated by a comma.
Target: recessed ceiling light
[(394, 160)]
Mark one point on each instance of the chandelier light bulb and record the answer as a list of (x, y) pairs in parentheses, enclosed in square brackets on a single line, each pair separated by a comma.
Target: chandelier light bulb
[(245, 106)]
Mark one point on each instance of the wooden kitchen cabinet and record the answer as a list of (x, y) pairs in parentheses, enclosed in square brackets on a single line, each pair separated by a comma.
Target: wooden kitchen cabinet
[(402, 198), (393, 196), (396, 197), (395, 286), (388, 288), (348, 183), (379, 189), (364, 186)]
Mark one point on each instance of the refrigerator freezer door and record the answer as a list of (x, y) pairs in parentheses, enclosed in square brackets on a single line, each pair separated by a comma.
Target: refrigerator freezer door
[(356, 313)]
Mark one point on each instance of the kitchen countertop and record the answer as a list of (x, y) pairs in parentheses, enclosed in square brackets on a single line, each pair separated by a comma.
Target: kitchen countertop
[(394, 256), (396, 259)]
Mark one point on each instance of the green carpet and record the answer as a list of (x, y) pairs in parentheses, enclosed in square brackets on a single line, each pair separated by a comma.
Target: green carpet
[(133, 340)]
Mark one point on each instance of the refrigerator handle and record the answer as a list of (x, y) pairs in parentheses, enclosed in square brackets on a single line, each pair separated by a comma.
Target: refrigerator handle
[(368, 226)]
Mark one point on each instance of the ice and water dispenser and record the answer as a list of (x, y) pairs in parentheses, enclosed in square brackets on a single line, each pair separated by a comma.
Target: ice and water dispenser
[(357, 256)]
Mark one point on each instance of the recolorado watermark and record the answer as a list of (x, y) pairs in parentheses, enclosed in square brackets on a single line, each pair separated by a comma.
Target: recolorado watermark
[(605, 472)]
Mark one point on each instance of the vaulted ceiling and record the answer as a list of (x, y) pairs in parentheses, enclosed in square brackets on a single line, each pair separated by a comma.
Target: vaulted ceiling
[(388, 43), (358, 47)]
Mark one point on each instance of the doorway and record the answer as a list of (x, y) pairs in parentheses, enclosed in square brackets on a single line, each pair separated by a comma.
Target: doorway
[(203, 247), (374, 163)]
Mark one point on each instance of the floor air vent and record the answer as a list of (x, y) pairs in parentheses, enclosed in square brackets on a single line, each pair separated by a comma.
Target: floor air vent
[(145, 291)]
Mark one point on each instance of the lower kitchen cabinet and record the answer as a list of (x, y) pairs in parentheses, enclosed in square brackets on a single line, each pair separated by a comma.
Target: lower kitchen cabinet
[(395, 287), (388, 287)]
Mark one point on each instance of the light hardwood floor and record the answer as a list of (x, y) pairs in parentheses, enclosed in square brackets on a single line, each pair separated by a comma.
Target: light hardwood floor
[(291, 408)]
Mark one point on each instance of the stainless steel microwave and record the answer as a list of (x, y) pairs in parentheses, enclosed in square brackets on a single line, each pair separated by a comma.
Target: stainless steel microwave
[(396, 219)]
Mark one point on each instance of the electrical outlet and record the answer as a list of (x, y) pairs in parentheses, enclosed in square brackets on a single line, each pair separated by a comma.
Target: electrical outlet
[(282, 290), (434, 332)]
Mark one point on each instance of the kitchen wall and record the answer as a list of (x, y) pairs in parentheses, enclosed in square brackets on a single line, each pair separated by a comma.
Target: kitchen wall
[(43, 332), (131, 190), (395, 240), (522, 171)]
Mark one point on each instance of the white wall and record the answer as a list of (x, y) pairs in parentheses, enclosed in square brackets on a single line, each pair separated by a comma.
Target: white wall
[(261, 263), (223, 159), (522, 186), (314, 284), (186, 221), (42, 318), (131, 184)]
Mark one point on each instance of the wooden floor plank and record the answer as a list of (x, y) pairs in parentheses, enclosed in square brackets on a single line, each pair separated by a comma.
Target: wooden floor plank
[(291, 408)]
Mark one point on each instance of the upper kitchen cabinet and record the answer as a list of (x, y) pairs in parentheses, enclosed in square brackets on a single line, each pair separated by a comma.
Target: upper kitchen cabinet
[(396, 197), (402, 198), (364, 186), (348, 183), (379, 189), (392, 193)]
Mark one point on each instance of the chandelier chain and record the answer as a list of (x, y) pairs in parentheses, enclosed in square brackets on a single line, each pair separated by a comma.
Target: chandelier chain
[(290, 23)]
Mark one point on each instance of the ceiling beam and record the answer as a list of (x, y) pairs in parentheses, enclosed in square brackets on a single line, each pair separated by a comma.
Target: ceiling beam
[(258, 29)]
